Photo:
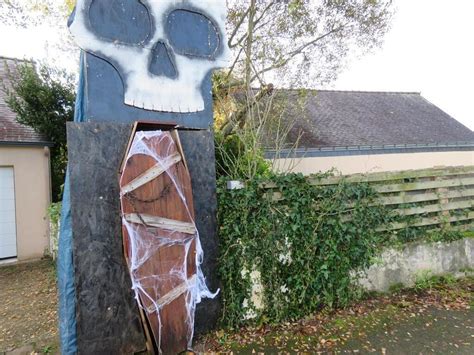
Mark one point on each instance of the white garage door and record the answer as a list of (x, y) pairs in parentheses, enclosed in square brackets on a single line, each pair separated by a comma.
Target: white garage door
[(7, 214)]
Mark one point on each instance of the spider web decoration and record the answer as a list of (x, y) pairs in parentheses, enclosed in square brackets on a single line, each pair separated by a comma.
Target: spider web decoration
[(161, 241)]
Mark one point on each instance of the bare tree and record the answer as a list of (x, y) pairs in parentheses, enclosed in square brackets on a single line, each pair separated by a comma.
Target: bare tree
[(60, 49), (302, 42), (31, 13)]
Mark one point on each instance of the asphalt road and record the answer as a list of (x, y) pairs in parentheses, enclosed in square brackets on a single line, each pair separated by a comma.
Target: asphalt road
[(437, 331)]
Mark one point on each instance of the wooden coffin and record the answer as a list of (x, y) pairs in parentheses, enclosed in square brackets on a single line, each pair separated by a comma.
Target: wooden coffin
[(159, 236)]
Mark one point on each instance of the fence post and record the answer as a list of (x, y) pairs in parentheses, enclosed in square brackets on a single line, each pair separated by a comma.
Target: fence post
[(443, 214)]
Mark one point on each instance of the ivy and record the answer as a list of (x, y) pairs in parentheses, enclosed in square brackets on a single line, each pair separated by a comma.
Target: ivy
[(54, 214), (299, 247), (304, 245)]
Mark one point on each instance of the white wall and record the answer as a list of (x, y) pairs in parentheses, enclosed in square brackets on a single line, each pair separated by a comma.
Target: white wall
[(32, 197), (352, 164)]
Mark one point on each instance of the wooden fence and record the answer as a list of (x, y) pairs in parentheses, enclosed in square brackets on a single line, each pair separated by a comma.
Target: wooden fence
[(434, 197)]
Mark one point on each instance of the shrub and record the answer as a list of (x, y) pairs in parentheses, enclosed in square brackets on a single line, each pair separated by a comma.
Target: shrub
[(302, 246)]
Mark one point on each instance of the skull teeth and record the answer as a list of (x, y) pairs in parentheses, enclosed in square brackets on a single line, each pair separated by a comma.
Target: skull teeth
[(143, 88), (163, 108)]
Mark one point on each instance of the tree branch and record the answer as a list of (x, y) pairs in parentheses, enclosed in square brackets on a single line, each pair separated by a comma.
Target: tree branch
[(245, 36), (256, 75), (263, 13), (229, 73), (249, 43), (236, 29), (282, 62), (238, 117)]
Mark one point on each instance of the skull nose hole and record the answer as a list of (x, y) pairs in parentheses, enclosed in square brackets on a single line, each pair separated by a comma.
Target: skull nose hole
[(162, 63)]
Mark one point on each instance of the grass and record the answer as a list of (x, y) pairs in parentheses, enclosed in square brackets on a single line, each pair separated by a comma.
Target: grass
[(427, 281), (468, 234)]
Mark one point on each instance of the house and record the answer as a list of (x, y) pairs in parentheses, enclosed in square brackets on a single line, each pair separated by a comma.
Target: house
[(359, 132), (25, 188)]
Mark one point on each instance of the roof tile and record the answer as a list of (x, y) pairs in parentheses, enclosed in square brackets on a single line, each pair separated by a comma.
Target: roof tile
[(10, 129), (353, 118)]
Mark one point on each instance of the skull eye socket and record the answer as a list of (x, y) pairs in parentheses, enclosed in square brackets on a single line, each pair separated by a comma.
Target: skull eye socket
[(192, 34), (117, 20)]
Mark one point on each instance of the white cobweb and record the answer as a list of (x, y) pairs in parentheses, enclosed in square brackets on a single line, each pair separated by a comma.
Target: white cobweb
[(147, 237)]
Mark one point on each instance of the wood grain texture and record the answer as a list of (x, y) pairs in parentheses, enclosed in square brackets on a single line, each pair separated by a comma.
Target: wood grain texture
[(440, 196), (165, 259), (107, 316)]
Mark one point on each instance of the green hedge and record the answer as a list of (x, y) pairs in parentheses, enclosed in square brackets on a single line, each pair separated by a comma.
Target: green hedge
[(304, 246)]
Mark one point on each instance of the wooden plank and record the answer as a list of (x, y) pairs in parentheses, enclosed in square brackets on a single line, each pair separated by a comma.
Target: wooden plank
[(443, 201), (466, 227), (431, 196), (428, 221), (385, 176), (146, 126), (423, 185), (428, 209), (159, 222), (151, 174), (146, 327), (460, 183), (160, 262), (435, 208), (396, 175), (173, 294), (398, 199)]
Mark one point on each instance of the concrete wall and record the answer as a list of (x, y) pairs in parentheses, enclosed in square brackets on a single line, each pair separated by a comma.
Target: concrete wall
[(406, 265), (394, 267), (351, 164), (31, 169)]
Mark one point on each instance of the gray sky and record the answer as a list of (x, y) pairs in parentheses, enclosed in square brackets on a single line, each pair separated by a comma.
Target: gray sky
[(430, 49)]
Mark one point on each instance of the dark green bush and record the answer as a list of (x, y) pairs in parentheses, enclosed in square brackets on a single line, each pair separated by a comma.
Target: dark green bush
[(44, 100), (305, 244)]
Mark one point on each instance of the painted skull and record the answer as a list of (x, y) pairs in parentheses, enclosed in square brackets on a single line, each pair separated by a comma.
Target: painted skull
[(162, 49)]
